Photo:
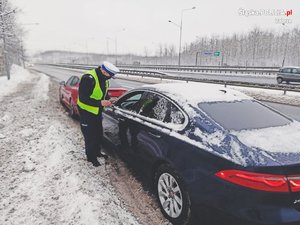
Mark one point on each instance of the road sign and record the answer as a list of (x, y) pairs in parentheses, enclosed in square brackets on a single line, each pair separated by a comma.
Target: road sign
[(217, 53), (208, 53)]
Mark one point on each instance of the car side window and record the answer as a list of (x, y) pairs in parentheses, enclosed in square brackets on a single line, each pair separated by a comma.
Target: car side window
[(69, 82), (154, 106), (287, 70), (74, 81), (295, 70), (129, 102), (174, 115)]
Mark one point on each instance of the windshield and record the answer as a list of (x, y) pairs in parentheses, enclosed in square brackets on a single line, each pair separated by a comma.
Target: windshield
[(114, 84), (243, 115)]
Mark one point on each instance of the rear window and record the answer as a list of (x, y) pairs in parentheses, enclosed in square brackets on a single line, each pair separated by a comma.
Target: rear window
[(243, 115)]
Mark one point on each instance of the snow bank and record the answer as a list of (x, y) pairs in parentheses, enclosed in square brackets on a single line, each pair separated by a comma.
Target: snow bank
[(45, 178), (18, 75)]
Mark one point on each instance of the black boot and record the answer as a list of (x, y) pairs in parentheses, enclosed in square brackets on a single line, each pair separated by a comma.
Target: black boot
[(102, 155), (95, 162)]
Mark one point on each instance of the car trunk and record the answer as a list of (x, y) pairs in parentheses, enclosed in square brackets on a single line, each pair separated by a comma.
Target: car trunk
[(116, 92)]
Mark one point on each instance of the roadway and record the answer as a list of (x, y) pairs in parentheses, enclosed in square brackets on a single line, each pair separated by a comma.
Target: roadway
[(62, 74)]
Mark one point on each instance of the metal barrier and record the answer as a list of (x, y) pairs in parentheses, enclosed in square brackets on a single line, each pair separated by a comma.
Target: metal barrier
[(160, 75), (197, 69)]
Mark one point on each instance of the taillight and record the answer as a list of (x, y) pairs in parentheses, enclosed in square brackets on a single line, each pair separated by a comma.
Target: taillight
[(257, 181), (294, 183), (116, 93)]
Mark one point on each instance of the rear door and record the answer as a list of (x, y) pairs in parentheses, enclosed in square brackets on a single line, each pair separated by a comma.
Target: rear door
[(151, 139), (296, 74), (74, 89), (287, 74), (150, 135), (66, 91)]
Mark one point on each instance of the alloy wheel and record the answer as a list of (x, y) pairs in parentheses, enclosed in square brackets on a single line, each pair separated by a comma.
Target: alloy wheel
[(170, 195)]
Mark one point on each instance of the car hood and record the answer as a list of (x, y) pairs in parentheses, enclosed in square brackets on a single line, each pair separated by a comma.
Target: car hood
[(281, 143)]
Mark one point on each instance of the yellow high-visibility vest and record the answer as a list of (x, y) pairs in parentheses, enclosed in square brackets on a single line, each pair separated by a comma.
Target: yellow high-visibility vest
[(97, 94)]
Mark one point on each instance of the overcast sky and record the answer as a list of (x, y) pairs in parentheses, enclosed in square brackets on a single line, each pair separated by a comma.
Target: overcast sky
[(94, 25)]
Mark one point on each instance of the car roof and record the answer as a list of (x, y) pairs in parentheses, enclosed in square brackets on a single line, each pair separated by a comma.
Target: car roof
[(195, 93)]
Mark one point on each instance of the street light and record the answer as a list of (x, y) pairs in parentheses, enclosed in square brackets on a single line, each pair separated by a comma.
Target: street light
[(29, 24), (180, 34), (286, 44), (116, 43)]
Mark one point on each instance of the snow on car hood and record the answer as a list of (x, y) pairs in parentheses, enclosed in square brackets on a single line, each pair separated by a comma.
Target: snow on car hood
[(283, 139)]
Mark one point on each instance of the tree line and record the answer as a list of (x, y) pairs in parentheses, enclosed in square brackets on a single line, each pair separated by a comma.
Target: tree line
[(255, 48), (11, 43)]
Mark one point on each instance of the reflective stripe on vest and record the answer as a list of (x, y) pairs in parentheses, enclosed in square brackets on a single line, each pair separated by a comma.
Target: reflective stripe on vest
[(97, 94)]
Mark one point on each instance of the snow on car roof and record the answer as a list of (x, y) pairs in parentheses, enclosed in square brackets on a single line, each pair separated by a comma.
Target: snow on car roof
[(195, 93)]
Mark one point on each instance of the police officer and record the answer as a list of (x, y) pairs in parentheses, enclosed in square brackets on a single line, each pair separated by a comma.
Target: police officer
[(91, 100)]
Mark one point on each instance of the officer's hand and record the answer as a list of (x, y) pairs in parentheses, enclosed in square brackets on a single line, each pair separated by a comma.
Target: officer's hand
[(106, 103), (112, 100)]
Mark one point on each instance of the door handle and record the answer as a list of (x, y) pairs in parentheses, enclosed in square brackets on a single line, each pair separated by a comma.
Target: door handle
[(154, 135)]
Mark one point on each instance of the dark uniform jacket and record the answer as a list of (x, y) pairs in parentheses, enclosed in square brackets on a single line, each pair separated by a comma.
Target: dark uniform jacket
[(86, 87)]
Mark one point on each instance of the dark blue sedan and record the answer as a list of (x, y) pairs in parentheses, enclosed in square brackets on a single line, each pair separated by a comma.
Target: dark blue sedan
[(209, 147)]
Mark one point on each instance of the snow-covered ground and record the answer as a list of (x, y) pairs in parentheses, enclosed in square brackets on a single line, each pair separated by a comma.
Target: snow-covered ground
[(45, 178)]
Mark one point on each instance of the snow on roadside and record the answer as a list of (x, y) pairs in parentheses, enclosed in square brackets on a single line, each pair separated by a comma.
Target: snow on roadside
[(45, 178), (42, 87), (54, 188), (18, 75)]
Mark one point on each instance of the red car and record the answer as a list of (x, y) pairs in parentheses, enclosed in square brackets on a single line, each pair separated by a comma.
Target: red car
[(68, 93)]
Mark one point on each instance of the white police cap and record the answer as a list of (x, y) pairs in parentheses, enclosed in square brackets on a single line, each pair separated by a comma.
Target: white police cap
[(110, 68)]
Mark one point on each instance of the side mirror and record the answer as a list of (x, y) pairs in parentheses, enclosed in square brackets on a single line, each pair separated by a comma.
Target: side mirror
[(62, 83)]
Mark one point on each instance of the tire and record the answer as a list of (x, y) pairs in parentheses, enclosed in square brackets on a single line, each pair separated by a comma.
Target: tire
[(71, 109), (173, 198), (60, 96), (279, 80)]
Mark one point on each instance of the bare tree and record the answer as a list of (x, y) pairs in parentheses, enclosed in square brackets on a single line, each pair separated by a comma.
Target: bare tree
[(257, 47), (11, 36)]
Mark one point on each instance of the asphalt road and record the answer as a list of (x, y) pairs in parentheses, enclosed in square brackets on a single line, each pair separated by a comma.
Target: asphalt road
[(62, 74)]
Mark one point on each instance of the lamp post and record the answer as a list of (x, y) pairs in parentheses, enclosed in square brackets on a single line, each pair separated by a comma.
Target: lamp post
[(286, 44), (197, 53), (180, 33), (116, 44)]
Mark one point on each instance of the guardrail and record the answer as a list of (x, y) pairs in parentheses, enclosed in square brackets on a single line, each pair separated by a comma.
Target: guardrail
[(211, 69), (161, 75), (199, 69), (281, 87), (193, 66)]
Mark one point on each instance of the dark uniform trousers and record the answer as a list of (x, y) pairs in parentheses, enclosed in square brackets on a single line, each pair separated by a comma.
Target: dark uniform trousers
[(91, 127)]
